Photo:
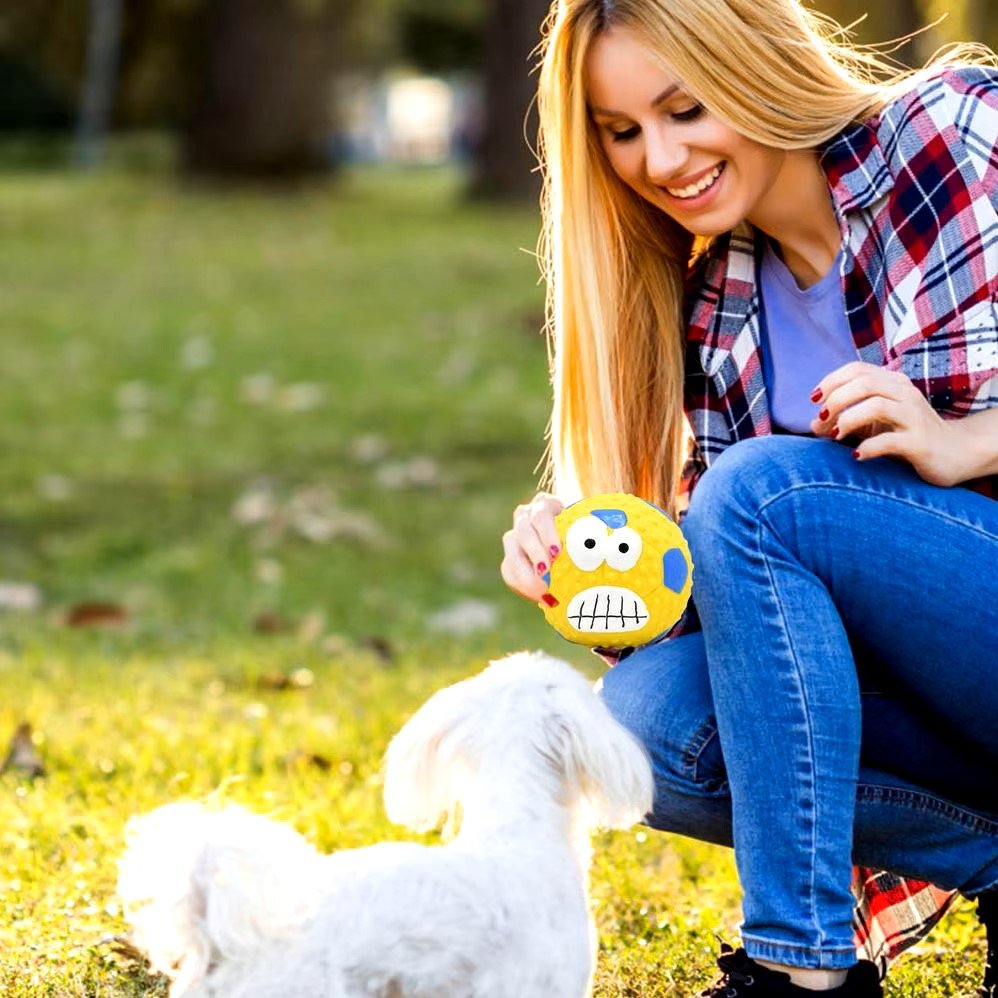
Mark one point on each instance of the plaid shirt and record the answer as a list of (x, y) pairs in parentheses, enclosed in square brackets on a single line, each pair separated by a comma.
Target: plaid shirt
[(915, 193)]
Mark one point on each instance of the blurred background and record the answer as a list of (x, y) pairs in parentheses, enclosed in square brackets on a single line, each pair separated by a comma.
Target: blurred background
[(270, 310)]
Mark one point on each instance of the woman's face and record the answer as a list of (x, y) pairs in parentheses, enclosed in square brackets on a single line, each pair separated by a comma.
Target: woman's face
[(666, 147)]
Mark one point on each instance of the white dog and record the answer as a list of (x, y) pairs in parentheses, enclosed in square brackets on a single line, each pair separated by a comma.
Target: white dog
[(231, 904)]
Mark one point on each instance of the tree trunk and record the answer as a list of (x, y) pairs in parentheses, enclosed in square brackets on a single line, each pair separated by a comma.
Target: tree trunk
[(505, 165), (99, 77), (260, 89), (902, 17)]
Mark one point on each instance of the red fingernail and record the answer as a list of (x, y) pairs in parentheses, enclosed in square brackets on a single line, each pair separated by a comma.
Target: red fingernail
[(835, 433), (554, 549), (816, 395), (856, 455), (823, 414), (541, 568), (549, 599)]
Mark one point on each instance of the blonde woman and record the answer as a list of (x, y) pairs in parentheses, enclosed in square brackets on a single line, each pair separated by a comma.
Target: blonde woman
[(759, 234)]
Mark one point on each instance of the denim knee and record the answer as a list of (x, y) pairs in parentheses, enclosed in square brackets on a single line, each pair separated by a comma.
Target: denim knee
[(734, 488), (662, 696)]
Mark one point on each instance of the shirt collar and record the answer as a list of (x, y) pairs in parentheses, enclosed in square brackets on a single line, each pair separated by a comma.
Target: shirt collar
[(855, 167)]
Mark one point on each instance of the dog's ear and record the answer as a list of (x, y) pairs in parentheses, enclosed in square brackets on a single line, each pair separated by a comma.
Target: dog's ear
[(429, 760), (601, 758)]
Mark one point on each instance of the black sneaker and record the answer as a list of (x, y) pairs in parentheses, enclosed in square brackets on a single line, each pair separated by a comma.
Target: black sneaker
[(987, 912), (742, 977)]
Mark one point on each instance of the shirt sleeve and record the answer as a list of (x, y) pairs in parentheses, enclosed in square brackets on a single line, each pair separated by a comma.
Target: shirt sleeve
[(693, 469), (971, 103)]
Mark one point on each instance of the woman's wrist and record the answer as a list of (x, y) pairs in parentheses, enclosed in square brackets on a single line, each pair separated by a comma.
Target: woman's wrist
[(976, 439)]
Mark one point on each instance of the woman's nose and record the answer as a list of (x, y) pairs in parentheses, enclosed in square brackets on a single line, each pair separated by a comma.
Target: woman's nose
[(664, 156)]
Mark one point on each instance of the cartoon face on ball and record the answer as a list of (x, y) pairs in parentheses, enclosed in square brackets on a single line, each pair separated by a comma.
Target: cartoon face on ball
[(624, 574)]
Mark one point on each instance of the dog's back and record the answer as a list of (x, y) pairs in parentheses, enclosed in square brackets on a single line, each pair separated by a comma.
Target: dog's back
[(410, 921)]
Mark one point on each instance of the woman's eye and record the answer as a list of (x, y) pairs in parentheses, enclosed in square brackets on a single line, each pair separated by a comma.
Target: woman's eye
[(624, 136), (690, 115)]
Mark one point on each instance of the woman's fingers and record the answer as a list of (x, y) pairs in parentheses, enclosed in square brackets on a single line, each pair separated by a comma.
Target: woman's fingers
[(871, 416), (518, 569), (531, 545)]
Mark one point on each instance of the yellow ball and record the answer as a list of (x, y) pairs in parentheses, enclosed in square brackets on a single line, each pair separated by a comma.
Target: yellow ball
[(624, 573)]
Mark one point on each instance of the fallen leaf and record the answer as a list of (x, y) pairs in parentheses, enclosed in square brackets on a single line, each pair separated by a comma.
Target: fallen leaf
[(335, 644), (123, 947), (417, 472), (269, 571), (257, 389), (368, 447), (311, 627), (271, 622), (463, 617), (132, 395), (96, 614), (380, 646), (55, 488), (22, 757), (197, 352), (299, 758), (20, 596), (301, 397), (297, 679), (256, 505)]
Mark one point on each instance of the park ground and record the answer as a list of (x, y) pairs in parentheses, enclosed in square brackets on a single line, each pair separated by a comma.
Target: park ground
[(258, 452)]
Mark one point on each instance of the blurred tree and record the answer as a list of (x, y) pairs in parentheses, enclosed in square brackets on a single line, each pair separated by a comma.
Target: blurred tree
[(99, 78), (261, 69), (505, 163), (41, 56), (441, 36)]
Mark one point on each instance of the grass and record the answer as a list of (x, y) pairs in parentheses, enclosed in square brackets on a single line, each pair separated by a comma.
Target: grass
[(276, 433)]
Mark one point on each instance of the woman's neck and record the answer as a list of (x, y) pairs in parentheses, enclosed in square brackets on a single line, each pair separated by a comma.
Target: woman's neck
[(797, 213)]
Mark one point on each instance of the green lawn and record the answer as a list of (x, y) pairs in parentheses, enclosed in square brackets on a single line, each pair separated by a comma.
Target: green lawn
[(277, 434)]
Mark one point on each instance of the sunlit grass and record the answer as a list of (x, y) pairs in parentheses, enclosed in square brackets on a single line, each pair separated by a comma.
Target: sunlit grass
[(199, 387)]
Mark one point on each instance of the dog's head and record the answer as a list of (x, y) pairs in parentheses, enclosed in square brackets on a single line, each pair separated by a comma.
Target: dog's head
[(528, 718)]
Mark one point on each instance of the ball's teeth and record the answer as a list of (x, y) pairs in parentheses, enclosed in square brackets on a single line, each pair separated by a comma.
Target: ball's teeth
[(604, 609)]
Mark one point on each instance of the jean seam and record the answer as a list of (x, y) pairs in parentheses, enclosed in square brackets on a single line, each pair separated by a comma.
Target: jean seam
[(802, 697), (800, 947), (925, 801), (863, 491), (778, 951), (694, 751)]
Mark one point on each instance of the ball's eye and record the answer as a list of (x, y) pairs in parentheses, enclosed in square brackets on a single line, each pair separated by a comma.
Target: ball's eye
[(623, 548), (585, 542)]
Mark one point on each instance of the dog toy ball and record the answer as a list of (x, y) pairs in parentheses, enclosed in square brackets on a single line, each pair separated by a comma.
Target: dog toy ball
[(623, 576)]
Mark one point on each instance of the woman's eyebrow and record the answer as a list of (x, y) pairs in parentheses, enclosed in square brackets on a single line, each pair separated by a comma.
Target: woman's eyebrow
[(664, 95)]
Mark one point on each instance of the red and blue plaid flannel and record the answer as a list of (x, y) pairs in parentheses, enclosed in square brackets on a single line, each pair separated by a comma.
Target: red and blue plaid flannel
[(915, 192)]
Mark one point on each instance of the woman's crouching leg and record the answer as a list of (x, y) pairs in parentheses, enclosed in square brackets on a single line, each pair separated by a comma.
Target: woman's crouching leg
[(661, 693)]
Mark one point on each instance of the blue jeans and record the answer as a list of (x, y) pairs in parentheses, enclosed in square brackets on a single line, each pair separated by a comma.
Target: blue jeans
[(841, 702)]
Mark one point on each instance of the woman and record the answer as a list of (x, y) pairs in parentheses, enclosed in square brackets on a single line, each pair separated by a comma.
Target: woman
[(755, 231)]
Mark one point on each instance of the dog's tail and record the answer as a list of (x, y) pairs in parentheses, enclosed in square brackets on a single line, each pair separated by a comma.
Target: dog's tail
[(200, 887)]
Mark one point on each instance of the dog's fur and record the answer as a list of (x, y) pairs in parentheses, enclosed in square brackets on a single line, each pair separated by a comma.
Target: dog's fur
[(231, 904)]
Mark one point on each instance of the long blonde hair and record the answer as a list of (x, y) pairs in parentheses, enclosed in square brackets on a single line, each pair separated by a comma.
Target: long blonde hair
[(614, 264)]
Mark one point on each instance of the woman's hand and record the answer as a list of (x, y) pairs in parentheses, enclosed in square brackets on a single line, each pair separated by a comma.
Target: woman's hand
[(530, 546), (891, 416)]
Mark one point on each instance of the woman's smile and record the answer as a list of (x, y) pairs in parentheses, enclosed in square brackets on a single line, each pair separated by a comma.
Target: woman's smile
[(698, 194)]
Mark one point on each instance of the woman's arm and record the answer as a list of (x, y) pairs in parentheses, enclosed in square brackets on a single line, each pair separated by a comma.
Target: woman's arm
[(896, 419), (977, 443)]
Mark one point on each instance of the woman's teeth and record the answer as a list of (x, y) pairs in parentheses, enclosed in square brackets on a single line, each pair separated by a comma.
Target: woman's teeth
[(698, 188)]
